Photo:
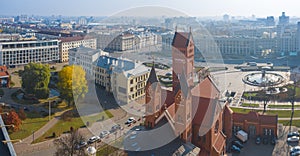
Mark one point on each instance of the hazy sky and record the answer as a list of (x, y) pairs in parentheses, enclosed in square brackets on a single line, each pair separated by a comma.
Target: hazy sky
[(260, 8)]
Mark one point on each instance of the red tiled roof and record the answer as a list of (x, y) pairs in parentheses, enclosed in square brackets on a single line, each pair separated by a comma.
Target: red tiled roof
[(3, 71), (255, 117), (268, 119), (227, 109), (206, 89), (220, 142), (181, 39), (75, 38)]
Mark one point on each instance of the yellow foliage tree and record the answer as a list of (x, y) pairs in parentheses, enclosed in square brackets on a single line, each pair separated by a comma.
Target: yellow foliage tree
[(72, 83)]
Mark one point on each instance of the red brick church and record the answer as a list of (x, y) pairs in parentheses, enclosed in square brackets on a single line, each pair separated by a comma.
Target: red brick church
[(193, 109)]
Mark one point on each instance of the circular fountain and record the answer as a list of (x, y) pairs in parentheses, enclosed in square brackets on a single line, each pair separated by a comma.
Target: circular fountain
[(263, 79)]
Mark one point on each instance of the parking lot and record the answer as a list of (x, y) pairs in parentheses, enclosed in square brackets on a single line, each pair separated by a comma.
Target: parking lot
[(281, 148)]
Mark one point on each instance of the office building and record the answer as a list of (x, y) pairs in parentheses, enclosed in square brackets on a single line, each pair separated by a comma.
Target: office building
[(74, 42), (24, 52)]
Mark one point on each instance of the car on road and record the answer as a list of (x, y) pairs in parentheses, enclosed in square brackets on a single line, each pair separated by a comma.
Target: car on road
[(273, 140), (294, 149), (258, 140), (115, 128), (80, 145), (94, 139), (293, 139), (293, 134), (130, 120), (238, 144), (104, 134), (235, 149)]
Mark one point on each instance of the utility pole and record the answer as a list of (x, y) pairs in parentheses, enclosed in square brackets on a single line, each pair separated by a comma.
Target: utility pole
[(49, 110)]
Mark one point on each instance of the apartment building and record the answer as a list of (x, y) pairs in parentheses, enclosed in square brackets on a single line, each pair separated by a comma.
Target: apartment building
[(125, 78), (85, 57), (68, 43), (24, 52), (122, 42)]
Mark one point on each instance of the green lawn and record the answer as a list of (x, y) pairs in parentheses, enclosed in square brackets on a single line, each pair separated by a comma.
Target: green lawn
[(287, 123), (280, 113), (250, 105), (247, 95), (33, 122), (282, 106), (108, 149), (64, 126)]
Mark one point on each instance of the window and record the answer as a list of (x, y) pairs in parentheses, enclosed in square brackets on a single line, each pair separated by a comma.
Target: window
[(217, 126), (131, 81), (122, 90)]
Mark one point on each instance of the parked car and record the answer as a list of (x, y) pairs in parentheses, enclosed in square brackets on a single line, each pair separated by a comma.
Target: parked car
[(258, 140), (235, 149), (104, 134), (130, 120), (94, 139), (81, 145), (273, 140), (293, 134), (294, 149), (238, 144), (114, 128), (293, 139), (296, 153)]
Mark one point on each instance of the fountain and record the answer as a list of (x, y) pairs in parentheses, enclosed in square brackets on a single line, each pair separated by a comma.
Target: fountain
[(263, 79)]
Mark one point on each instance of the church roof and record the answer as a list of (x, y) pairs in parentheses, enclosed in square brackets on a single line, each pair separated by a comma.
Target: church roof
[(152, 77), (181, 39), (206, 89)]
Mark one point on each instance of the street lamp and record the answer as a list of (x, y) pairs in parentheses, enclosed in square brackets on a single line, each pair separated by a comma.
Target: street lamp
[(6, 113), (11, 125), (16, 140)]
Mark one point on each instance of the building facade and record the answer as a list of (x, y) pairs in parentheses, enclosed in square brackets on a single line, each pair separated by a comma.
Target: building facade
[(4, 77), (124, 78), (122, 42), (68, 43), (24, 52), (85, 57)]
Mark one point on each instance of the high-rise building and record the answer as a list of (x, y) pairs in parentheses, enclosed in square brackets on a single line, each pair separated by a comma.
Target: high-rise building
[(283, 19)]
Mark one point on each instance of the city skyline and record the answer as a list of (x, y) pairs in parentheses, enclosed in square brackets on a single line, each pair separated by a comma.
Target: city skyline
[(108, 8)]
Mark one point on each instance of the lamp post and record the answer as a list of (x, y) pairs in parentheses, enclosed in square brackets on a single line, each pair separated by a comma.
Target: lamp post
[(49, 109), (7, 125), (16, 140), (6, 113)]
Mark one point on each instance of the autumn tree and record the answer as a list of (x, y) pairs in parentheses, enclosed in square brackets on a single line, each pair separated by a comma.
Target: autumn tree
[(35, 79), (22, 114), (12, 119), (72, 83), (66, 144)]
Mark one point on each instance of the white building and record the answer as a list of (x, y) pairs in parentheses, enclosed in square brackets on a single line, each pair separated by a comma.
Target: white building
[(85, 57), (24, 52), (74, 42)]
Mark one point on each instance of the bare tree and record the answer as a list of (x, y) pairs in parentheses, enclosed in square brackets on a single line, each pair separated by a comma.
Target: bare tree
[(66, 144)]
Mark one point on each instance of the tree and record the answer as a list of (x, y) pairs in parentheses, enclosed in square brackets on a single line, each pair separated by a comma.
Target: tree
[(66, 144), (12, 119), (72, 83), (22, 114), (35, 79)]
